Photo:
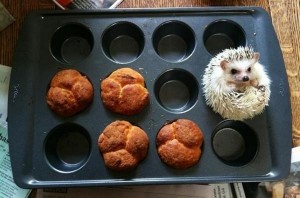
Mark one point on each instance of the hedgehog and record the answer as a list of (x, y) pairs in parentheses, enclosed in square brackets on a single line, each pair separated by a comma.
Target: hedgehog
[(236, 85)]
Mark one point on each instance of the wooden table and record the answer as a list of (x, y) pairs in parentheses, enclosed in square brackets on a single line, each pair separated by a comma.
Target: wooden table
[(285, 16)]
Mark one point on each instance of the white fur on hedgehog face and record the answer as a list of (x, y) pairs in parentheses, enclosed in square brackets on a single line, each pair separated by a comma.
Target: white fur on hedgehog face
[(240, 72)]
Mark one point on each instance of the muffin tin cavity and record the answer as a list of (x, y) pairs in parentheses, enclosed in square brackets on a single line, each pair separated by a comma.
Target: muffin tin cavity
[(235, 143), (223, 34), (67, 147), (174, 41), (123, 42), (176, 90), (72, 43)]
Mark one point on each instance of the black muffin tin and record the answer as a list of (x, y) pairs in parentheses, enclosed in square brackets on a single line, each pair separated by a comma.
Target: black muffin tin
[(170, 48)]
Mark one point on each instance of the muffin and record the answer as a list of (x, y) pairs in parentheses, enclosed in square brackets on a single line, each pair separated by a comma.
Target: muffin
[(124, 92), (179, 144), (70, 92), (123, 145)]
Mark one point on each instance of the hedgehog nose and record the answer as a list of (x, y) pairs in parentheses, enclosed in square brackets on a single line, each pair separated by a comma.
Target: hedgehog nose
[(245, 78)]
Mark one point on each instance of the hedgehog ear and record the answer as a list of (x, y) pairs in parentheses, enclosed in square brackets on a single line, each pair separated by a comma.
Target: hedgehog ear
[(256, 56), (224, 64)]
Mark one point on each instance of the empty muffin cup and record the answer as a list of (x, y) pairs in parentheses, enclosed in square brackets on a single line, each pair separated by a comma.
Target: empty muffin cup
[(223, 34), (174, 41), (67, 147), (176, 90), (72, 43), (235, 143), (123, 42)]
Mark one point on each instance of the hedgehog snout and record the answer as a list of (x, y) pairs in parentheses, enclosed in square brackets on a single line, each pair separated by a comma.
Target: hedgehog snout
[(246, 78)]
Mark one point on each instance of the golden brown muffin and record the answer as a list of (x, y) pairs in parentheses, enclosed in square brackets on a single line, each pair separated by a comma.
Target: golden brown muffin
[(124, 92), (179, 144), (69, 93), (123, 145)]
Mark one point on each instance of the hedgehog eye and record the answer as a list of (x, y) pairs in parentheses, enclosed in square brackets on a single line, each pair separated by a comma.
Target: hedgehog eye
[(233, 71), (249, 69)]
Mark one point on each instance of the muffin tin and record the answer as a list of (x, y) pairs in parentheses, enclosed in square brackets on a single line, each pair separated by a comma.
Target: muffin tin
[(170, 48)]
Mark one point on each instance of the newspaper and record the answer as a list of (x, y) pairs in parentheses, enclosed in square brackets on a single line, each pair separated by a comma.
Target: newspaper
[(8, 189), (4, 85), (86, 4), (5, 17)]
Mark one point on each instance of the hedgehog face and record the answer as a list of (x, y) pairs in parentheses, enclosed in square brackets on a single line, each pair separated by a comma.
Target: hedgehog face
[(239, 72)]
